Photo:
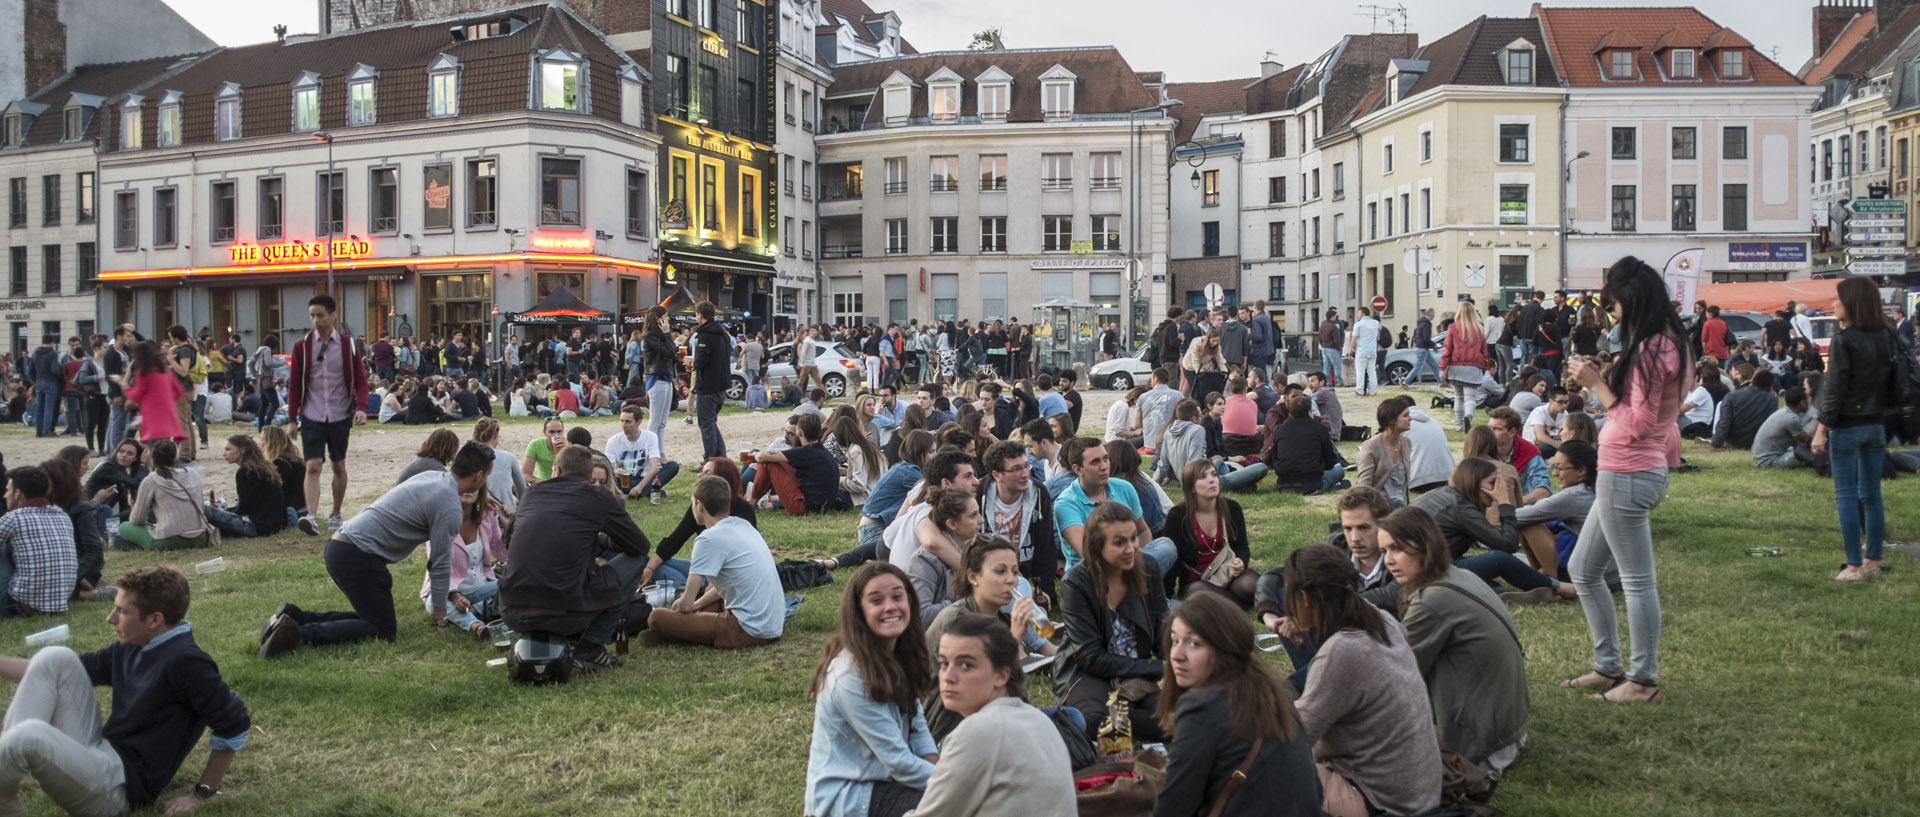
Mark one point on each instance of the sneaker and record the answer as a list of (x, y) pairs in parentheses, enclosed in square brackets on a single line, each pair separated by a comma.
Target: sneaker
[(105, 593), (1531, 598), (333, 523), (283, 636), (308, 526), (1343, 485), (286, 609), (119, 542), (594, 659), (689, 419)]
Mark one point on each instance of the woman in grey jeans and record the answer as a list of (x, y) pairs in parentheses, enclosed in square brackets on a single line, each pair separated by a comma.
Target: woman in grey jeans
[(1642, 392), (658, 355)]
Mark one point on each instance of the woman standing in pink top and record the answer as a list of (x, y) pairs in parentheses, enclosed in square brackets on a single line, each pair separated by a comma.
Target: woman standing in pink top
[(152, 387), (1642, 393)]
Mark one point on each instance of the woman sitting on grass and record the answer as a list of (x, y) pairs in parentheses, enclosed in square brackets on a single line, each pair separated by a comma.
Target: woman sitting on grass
[(277, 446), (663, 565), (1465, 643), (393, 407), (1006, 757), (114, 483), (1205, 527), (89, 536), (1549, 528), (1113, 603), (1463, 511), (1365, 705), (434, 454), (986, 588), (472, 584), (167, 514), (261, 509), (865, 462), (1227, 713), (956, 514), (871, 753)]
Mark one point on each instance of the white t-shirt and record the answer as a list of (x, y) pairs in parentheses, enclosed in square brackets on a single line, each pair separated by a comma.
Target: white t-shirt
[(631, 456), (220, 407), (1119, 419), (900, 536), (1702, 412), (1544, 418)]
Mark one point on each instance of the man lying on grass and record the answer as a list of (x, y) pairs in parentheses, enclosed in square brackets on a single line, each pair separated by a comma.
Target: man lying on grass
[(165, 692)]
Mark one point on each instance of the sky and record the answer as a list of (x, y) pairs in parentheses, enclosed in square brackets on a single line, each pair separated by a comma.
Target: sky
[(1227, 40)]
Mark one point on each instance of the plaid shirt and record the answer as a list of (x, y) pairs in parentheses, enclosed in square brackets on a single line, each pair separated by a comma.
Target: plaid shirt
[(38, 540)]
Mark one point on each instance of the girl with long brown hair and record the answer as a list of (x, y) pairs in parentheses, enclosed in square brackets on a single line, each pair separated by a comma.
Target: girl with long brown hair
[(1853, 409), (262, 507), (1208, 526), (1114, 604), (871, 752)]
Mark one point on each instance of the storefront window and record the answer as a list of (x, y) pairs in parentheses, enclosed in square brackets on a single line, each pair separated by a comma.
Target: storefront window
[(545, 283), (458, 302), (379, 303)]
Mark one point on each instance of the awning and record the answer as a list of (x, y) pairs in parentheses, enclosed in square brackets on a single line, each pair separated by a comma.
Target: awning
[(1769, 296), (679, 304), (561, 307)]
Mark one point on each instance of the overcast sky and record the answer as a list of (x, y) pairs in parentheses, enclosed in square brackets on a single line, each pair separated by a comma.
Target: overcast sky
[(1212, 39)]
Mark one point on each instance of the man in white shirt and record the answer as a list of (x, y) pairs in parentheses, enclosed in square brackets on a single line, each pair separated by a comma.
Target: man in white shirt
[(1495, 328), (1802, 325), (1546, 420), (637, 458), (1363, 345), (219, 404)]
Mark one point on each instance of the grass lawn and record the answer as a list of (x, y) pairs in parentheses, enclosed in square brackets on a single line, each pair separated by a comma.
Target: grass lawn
[(1785, 693)]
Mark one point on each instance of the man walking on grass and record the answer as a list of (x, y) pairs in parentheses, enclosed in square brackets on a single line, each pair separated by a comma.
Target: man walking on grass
[(326, 398)]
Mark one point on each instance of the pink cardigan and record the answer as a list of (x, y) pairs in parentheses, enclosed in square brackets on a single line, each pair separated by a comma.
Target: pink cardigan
[(490, 534), (1642, 431), (155, 394)]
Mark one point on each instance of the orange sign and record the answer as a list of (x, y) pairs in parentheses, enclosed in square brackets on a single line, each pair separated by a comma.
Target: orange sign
[(282, 251), (562, 242)]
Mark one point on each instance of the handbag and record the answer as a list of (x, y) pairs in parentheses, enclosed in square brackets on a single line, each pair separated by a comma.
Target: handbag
[(212, 533), (1125, 788), (1235, 780), (1219, 572), (1080, 751)]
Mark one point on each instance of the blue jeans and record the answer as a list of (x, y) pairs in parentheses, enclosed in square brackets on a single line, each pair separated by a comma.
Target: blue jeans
[(673, 570), (117, 417), (1163, 553), (1423, 359), (1497, 564), (230, 523), (480, 596), (1330, 364), (1618, 533), (1524, 350), (1859, 454), (46, 406), (1241, 479)]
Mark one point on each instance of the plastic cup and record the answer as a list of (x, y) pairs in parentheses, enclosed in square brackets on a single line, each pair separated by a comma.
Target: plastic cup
[(213, 565), (52, 635), (496, 662), (1267, 642)]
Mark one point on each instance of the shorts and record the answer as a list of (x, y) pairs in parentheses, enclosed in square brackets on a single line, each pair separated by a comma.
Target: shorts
[(317, 438)]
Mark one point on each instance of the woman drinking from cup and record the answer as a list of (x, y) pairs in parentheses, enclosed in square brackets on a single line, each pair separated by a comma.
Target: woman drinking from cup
[(990, 585)]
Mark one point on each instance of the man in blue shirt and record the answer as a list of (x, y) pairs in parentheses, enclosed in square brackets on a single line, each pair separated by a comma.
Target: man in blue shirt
[(1051, 402), (1087, 458), (165, 692), (888, 413)]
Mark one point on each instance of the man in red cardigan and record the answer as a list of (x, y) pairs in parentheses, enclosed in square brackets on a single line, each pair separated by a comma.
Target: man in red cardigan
[(326, 397)]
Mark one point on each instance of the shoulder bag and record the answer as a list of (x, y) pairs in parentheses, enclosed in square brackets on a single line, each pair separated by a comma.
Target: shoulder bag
[(1125, 788), (208, 530), (1235, 780)]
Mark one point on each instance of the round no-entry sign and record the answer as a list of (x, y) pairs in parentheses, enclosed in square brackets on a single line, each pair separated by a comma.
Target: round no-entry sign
[(1379, 303)]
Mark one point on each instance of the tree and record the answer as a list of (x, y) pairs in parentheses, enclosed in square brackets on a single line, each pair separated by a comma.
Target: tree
[(988, 40)]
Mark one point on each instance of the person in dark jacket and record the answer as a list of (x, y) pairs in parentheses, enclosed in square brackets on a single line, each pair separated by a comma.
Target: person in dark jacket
[(1113, 603), (1853, 411), (1167, 341), (1460, 509), (46, 374), (1017, 507), (421, 410), (1744, 411), (1205, 527), (1228, 713), (555, 585), (713, 351), (1303, 456), (114, 483), (166, 691), (261, 509)]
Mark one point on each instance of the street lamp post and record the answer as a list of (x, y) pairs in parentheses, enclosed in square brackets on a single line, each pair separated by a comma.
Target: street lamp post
[(327, 202)]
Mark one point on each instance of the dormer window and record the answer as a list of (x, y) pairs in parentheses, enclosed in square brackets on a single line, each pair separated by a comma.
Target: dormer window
[(1733, 63), (560, 86), (897, 99), (226, 113), (1056, 93), (633, 110), (443, 86), (306, 102), (1681, 63), (1620, 64), (1518, 66), (995, 88), (130, 125), (10, 131), (360, 95), (943, 96), (170, 120), (73, 121)]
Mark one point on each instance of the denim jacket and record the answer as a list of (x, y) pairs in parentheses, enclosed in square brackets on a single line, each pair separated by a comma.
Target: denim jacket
[(857, 742)]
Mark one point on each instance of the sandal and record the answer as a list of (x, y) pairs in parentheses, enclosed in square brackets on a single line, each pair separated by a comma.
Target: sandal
[(479, 631), (1603, 680), (1608, 695)]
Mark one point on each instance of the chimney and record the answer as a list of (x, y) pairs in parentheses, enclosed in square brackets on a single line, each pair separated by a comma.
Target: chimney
[(1269, 68)]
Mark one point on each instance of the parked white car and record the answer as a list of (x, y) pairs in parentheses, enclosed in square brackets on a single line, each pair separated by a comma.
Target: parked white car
[(1122, 373), (841, 369)]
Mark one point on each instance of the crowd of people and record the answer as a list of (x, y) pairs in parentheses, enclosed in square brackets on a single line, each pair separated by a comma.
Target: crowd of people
[(996, 544)]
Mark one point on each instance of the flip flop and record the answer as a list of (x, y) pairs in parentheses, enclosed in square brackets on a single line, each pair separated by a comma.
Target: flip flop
[(1612, 681), (1607, 696)]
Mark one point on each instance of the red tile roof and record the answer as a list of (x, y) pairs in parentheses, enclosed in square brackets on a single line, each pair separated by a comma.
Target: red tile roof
[(1576, 35), (1856, 32), (1203, 99)]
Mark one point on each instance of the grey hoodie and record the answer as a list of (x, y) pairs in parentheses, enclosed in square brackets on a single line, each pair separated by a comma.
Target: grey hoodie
[(1234, 339), (1184, 442)]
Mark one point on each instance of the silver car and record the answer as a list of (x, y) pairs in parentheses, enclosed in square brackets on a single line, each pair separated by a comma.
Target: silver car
[(841, 369), (1122, 373)]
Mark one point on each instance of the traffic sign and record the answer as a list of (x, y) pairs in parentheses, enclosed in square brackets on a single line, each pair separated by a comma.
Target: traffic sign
[(1216, 296), (1379, 303), (1899, 237), (1877, 268), (1877, 205), (1872, 250)]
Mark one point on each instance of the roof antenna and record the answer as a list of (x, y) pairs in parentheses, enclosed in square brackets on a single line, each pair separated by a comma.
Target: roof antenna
[(1394, 15)]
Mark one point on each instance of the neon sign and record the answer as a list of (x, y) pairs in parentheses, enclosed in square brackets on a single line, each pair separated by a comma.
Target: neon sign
[(560, 242), (282, 251), (714, 45)]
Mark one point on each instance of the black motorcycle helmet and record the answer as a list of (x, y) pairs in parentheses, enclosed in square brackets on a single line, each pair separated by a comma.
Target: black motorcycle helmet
[(540, 658)]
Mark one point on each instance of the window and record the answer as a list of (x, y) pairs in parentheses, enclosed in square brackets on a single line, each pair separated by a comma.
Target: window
[(1106, 233), (306, 103), (1406, 212), (1386, 158), (384, 184), (436, 197), (1210, 188), (848, 302), (897, 102), (86, 265), (1622, 64), (741, 30), (126, 220), (1277, 288), (709, 196), (1623, 208), (332, 205), (1733, 63), (1513, 204), (1513, 272), (993, 172), (679, 91), (806, 240), (1426, 145), (1846, 156), (709, 14), (806, 102), (943, 102), (946, 234), (560, 193), (1826, 160), (1056, 233), (165, 217), (786, 99), (993, 101), (73, 123), (806, 181), (750, 201), (1733, 206), (83, 192), (11, 131), (993, 233), (1339, 180), (49, 200), (226, 113), (1386, 209), (946, 297), (1515, 143), (1426, 208), (1056, 171), (1316, 182), (1105, 171), (896, 236), (1625, 143), (272, 217), (130, 126), (443, 93), (1373, 221), (1276, 138), (1339, 232), (743, 107), (1880, 143), (50, 269), (360, 101), (1276, 239), (1316, 287), (706, 92), (1900, 159), (1682, 63), (1684, 207), (560, 82), (1733, 143), (945, 172), (1684, 140), (1209, 238), (225, 212), (1276, 189), (786, 224), (896, 176), (17, 202), (1519, 66), (1057, 99), (1316, 238), (17, 284)]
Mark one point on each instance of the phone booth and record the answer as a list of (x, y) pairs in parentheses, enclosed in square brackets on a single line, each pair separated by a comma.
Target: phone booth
[(1065, 335)]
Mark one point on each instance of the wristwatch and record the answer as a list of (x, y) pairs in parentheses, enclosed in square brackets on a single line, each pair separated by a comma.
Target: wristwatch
[(204, 791)]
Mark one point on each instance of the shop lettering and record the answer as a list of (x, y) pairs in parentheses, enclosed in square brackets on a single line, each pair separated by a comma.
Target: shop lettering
[(30, 305), (713, 143), (546, 242), (285, 251), (714, 46)]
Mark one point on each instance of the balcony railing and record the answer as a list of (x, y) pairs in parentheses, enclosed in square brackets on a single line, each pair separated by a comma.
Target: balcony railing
[(896, 188), (841, 191), (386, 224), (841, 251), (945, 185), (1106, 182), (1063, 183), (222, 234), (993, 183), (806, 192), (637, 227)]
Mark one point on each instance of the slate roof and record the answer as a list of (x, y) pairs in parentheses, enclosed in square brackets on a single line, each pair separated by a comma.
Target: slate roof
[(1202, 99), (857, 14), (104, 80), (1104, 82), (1360, 68), (1875, 45), (1580, 37), (1467, 55)]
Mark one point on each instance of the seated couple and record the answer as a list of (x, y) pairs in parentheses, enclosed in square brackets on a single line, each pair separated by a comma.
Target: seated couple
[(803, 476)]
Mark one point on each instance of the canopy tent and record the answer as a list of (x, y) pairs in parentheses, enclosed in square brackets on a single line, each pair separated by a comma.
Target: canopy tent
[(1769, 296), (680, 312), (562, 308)]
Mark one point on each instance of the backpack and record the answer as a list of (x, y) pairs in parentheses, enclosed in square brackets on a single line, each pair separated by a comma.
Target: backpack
[(798, 575), (197, 373)]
